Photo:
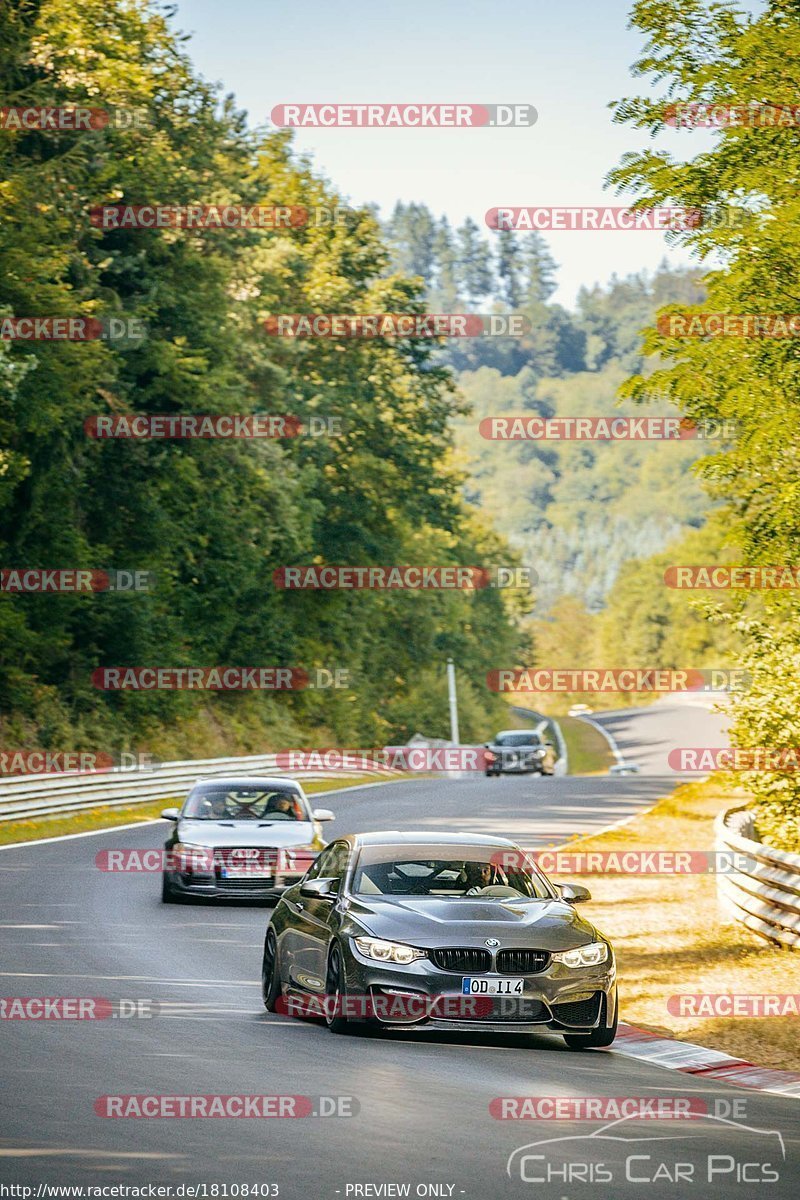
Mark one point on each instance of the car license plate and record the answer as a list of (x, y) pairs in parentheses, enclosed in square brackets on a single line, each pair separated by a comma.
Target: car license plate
[(256, 871), (506, 985)]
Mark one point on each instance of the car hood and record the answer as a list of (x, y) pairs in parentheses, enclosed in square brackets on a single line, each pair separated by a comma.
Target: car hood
[(544, 924), (246, 833), (526, 749)]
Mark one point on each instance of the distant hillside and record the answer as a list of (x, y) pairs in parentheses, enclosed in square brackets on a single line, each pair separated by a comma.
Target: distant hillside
[(576, 510)]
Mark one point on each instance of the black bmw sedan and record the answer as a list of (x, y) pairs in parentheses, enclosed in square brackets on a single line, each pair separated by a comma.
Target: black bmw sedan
[(240, 838), (438, 931)]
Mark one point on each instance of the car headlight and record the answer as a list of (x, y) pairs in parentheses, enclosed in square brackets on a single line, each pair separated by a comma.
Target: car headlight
[(189, 856), (583, 956), (384, 951)]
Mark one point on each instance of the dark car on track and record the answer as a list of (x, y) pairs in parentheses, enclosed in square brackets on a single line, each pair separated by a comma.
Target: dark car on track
[(241, 838), (519, 752), (444, 931)]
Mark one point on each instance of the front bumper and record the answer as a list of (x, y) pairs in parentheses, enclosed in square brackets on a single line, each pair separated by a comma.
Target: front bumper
[(515, 764), (423, 996), (216, 888)]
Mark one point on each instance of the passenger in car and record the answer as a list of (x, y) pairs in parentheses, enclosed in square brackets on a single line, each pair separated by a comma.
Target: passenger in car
[(281, 803)]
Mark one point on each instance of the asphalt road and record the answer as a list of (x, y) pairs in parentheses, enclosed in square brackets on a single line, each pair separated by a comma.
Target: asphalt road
[(647, 735), (69, 929)]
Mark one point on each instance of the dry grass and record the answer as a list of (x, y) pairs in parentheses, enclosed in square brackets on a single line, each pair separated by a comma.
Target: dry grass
[(588, 751), (669, 938)]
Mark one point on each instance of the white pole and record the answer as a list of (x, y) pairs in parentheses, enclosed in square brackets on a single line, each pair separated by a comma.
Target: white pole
[(453, 700)]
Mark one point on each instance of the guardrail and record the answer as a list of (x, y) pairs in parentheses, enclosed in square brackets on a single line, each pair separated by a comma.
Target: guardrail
[(562, 762), (762, 890), (42, 795)]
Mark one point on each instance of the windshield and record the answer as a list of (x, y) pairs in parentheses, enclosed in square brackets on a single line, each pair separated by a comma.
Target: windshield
[(517, 739), (449, 877), (218, 803)]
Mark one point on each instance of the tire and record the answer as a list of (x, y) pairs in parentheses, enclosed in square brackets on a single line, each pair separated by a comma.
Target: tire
[(335, 993), (600, 1037), (167, 894), (270, 975)]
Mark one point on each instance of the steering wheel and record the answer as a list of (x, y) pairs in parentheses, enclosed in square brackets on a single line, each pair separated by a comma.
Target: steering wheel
[(500, 890)]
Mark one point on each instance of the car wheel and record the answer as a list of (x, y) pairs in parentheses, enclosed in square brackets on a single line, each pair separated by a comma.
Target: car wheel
[(602, 1036), (167, 894), (334, 993), (270, 974)]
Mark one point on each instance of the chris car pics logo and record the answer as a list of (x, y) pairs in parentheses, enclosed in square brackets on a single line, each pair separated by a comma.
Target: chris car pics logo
[(617, 1153)]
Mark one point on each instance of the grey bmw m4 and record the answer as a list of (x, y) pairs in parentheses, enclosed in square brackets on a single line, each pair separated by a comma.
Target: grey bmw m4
[(438, 931)]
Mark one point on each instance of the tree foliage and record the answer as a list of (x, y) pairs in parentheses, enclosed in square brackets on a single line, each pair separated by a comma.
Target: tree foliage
[(211, 519), (713, 52)]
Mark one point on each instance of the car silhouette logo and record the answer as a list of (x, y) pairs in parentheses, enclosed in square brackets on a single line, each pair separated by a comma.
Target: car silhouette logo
[(603, 1135), (491, 942)]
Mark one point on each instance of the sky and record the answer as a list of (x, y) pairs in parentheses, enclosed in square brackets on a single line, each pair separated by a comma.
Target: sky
[(568, 59)]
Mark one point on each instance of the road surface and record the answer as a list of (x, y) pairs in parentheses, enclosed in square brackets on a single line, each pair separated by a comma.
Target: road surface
[(423, 1099)]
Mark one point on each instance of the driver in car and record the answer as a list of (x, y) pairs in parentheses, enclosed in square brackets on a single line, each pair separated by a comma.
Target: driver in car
[(479, 875), (213, 807)]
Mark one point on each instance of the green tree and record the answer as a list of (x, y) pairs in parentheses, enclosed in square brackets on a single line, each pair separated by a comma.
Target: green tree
[(540, 269), (211, 519), (475, 276), (510, 270), (745, 185)]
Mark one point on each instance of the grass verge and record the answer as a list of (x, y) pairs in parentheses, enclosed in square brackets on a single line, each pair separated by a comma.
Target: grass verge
[(669, 937), (588, 752), (107, 818)]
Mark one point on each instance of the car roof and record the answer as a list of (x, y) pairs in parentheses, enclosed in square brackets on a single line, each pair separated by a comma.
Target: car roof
[(265, 781), (423, 837), (503, 732)]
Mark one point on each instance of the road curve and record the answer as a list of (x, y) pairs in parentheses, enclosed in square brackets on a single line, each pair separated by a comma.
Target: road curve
[(70, 929)]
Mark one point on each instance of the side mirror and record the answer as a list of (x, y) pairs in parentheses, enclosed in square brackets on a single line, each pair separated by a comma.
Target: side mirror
[(574, 893), (319, 889), (170, 814), (323, 814)]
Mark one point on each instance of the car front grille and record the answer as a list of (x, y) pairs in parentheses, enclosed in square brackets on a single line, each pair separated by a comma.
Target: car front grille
[(522, 962), (473, 961), (245, 885), (253, 865), (578, 1012)]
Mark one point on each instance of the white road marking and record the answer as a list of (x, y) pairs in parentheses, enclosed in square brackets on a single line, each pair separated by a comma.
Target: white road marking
[(131, 979), (45, 1151)]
